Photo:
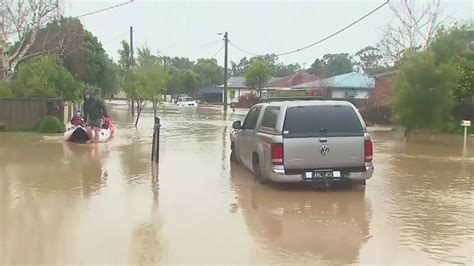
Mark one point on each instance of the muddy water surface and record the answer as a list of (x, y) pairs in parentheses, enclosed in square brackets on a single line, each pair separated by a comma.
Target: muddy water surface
[(64, 203)]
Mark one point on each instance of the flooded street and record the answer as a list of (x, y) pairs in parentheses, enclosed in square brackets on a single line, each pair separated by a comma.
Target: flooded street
[(81, 204)]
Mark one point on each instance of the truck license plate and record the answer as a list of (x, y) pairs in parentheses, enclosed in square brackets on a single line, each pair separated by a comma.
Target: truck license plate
[(326, 174)]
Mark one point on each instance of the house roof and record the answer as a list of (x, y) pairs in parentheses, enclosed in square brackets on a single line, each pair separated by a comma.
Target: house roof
[(353, 80), (292, 80), (239, 82), (386, 73), (210, 89)]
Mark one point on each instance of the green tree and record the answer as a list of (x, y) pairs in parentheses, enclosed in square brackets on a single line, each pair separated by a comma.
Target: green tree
[(318, 68), (45, 77), (208, 72), (125, 77), (124, 56), (271, 60), (145, 57), (258, 75), (332, 64), (369, 59), (179, 62), (239, 69), (423, 91), (175, 85), (282, 70), (110, 80), (453, 45), (190, 83), (148, 81), (337, 64)]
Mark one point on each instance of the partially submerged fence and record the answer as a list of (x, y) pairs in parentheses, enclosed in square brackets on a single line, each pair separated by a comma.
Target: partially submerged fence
[(24, 113)]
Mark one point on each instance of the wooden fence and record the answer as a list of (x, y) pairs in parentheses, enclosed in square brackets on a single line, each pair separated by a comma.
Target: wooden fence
[(24, 114)]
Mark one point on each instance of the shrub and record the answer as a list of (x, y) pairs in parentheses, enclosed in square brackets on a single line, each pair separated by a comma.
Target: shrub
[(50, 124), (247, 100)]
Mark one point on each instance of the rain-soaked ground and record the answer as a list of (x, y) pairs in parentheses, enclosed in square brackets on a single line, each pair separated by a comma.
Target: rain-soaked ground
[(64, 203)]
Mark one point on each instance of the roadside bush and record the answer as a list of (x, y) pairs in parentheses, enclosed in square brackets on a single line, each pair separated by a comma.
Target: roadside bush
[(50, 124), (247, 100), (455, 127)]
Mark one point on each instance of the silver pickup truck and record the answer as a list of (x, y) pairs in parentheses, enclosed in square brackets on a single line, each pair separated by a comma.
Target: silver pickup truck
[(304, 141)]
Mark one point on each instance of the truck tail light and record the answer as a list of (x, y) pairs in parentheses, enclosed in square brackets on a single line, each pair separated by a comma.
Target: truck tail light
[(277, 153), (368, 150)]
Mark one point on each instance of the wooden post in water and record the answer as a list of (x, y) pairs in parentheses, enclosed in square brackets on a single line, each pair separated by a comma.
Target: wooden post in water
[(155, 152)]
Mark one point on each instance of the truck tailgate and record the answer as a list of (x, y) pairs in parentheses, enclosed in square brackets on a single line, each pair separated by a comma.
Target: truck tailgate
[(323, 137), (334, 152)]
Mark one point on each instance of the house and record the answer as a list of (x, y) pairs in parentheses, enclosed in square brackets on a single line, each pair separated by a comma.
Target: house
[(353, 85), (292, 80), (281, 87), (382, 96), (236, 87)]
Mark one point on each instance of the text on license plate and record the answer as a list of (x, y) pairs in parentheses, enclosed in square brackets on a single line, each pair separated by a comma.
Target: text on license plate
[(323, 174)]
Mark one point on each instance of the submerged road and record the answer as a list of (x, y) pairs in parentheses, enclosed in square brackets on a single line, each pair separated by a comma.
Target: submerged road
[(82, 204)]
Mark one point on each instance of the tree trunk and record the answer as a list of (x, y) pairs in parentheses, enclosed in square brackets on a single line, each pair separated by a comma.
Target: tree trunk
[(155, 108), (139, 111)]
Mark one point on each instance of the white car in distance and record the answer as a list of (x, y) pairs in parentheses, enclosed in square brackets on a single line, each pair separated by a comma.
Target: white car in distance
[(186, 102)]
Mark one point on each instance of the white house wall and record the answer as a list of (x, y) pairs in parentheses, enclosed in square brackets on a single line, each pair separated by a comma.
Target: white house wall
[(340, 94), (238, 93)]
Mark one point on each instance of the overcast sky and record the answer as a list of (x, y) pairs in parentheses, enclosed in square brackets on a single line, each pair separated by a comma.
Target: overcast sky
[(189, 28)]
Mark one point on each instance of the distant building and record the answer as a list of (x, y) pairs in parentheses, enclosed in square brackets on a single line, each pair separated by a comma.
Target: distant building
[(353, 85), (211, 94), (382, 96), (236, 87), (292, 80)]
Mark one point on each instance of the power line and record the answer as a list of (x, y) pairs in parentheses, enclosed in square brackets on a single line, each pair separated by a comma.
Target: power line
[(121, 35), (320, 41), (242, 50), (220, 49), (104, 9), (210, 43), (83, 15)]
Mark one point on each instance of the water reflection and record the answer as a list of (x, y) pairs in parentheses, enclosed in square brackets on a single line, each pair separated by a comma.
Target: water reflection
[(429, 190), (146, 240), (50, 166), (87, 161), (328, 226), (135, 159)]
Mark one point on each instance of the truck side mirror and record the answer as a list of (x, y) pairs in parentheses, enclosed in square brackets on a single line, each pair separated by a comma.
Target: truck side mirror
[(237, 125)]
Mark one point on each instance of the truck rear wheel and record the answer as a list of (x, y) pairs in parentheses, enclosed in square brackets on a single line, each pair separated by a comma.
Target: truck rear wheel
[(233, 156), (258, 172)]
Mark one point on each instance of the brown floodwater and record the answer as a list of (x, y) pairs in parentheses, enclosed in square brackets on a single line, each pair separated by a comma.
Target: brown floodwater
[(82, 204)]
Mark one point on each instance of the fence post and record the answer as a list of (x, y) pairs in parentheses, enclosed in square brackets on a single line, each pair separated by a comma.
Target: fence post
[(155, 152)]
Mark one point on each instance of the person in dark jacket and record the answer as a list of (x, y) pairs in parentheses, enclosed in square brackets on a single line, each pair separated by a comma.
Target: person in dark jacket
[(94, 111)]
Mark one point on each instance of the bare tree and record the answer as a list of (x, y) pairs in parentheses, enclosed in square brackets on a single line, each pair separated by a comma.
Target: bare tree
[(413, 27), (21, 21)]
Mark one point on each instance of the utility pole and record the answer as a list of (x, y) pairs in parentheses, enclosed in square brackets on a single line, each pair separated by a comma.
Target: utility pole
[(132, 62), (226, 40)]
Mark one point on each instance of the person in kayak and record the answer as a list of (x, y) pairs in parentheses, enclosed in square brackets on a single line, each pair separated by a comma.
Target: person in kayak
[(94, 111)]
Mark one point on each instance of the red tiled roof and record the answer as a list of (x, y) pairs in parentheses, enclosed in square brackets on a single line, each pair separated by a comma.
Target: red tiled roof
[(293, 80)]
